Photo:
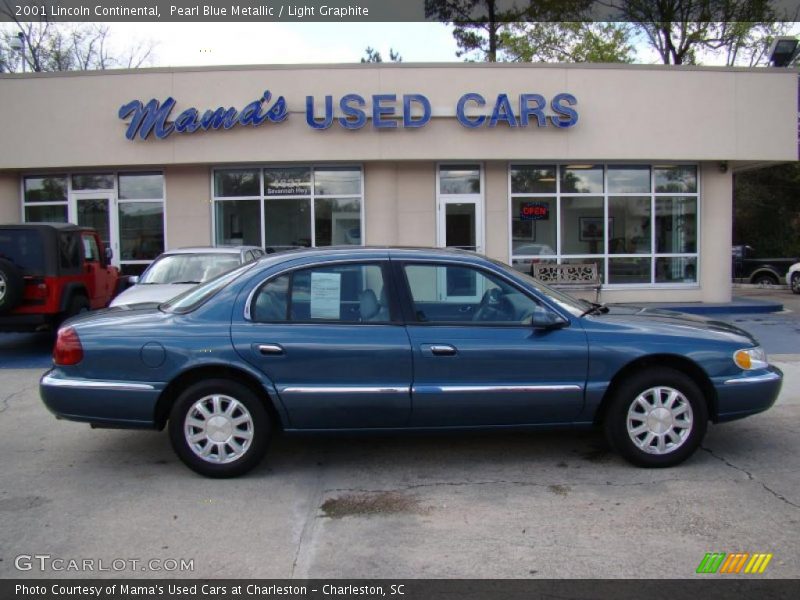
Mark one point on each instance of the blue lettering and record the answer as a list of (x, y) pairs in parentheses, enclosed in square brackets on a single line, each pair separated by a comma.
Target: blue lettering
[(526, 110), (153, 117), (312, 120), (147, 117), (187, 121), (471, 122), (426, 110), (379, 111), (567, 117), (359, 116), (503, 112)]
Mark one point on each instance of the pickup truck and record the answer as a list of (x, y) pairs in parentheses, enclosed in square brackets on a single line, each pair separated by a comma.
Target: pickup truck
[(748, 267)]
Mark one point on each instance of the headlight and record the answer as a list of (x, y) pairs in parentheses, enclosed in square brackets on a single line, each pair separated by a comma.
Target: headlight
[(750, 359)]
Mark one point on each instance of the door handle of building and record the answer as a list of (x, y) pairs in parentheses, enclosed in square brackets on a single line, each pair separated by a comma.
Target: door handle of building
[(443, 350), (270, 349)]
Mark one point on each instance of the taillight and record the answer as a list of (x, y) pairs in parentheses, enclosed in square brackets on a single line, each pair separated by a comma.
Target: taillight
[(68, 349)]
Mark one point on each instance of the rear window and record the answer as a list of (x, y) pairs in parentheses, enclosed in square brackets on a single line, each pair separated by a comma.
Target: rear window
[(24, 248), (200, 294)]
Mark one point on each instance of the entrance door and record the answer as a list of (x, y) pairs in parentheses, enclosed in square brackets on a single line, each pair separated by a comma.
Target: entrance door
[(96, 210)]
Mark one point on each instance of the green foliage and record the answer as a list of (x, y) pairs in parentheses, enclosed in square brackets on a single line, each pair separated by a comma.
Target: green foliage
[(567, 42), (767, 210), (373, 56)]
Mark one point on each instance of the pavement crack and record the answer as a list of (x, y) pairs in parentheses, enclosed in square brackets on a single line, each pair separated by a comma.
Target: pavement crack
[(750, 477), (4, 401)]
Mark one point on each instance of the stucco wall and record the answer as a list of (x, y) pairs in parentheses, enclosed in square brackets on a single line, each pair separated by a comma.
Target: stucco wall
[(188, 206), (639, 112), (9, 198)]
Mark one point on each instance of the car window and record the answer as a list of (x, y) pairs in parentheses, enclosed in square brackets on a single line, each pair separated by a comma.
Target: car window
[(90, 251), (24, 248), (200, 294), (351, 293), (69, 253), (188, 268), (463, 294)]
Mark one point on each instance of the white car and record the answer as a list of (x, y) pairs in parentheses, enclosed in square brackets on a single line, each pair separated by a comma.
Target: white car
[(178, 270), (793, 278)]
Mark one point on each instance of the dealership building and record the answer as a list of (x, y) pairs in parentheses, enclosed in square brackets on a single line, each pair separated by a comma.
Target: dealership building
[(629, 167)]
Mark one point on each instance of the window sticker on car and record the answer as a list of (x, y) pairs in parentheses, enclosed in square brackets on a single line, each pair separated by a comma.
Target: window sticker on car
[(326, 293)]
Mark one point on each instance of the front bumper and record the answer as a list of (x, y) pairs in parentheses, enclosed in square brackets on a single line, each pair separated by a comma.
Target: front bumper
[(110, 403), (747, 393)]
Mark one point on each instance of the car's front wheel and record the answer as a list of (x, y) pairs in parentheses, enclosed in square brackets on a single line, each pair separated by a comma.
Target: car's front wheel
[(219, 428), (657, 418)]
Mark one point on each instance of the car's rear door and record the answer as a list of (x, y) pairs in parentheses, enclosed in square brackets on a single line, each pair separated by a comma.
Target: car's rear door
[(487, 365), (331, 343)]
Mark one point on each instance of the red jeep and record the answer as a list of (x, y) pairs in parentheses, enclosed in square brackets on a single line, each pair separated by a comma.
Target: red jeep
[(51, 271)]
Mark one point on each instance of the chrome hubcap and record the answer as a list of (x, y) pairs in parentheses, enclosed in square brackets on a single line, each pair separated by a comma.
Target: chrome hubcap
[(659, 420), (2, 287), (218, 429), (796, 282)]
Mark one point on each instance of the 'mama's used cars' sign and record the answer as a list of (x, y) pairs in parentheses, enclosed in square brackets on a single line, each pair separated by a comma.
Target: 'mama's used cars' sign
[(385, 111)]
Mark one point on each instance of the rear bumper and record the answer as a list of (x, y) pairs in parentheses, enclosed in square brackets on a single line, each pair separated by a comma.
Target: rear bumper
[(747, 394), (22, 323), (111, 403)]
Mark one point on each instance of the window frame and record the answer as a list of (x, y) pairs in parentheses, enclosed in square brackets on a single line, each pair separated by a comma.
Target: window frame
[(603, 259), (407, 298), (395, 312), (312, 196)]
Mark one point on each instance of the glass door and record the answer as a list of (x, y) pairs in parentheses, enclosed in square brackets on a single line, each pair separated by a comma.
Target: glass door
[(96, 210)]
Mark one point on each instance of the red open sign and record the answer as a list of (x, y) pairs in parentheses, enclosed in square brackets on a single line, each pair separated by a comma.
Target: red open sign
[(534, 211)]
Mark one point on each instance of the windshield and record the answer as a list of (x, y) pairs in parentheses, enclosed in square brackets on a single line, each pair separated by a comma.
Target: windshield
[(189, 268), (574, 306), (191, 299)]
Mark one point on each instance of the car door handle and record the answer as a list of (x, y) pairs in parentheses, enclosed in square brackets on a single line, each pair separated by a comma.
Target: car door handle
[(270, 349), (443, 350)]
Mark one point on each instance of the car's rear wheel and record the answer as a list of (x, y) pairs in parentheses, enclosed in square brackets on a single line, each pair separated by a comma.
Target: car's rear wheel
[(796, 282), (219, 428), (657, 418), (12, 285)]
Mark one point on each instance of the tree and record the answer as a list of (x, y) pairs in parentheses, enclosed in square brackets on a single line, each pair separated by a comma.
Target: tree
[(767, 209), (373, 56), (52, 46), (682, 30), (567, 42)]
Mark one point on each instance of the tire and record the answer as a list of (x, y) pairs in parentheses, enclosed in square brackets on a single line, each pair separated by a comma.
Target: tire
[(77, 305), (646, 442), (12, 285), (225, 450), (765, 279), (795, 285)]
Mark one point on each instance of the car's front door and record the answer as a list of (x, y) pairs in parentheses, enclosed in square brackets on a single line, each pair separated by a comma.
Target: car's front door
[(326, 339), (484, 364)]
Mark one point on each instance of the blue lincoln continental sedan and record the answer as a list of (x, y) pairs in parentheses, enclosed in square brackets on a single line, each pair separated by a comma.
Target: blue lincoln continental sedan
[(399, 339)]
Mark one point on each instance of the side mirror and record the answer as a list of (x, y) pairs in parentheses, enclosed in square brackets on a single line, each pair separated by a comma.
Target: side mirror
[(109, 254), (133, 279), (545, 319)]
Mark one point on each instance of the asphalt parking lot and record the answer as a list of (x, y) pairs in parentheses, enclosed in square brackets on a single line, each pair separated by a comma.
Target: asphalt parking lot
[(488, 506)]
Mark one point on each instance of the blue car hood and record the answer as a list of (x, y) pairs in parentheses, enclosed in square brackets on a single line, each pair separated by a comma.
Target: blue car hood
[(656, 320)]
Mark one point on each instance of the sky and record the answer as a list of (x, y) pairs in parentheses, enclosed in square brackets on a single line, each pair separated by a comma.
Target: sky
[(196, 44)]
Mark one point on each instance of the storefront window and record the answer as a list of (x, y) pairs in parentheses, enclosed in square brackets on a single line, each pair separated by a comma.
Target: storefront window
[(141, 230), (582, 179), (93, 181), (637, 223), (287, 223), (54, 213), (459, 179), (141, 186), (46, 189), (232, 183), (295, 210)]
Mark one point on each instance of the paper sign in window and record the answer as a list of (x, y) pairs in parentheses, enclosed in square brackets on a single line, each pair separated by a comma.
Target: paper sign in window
[(326, 295)]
